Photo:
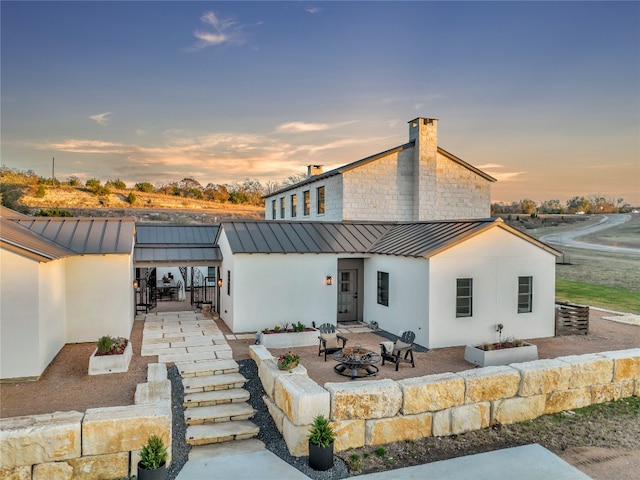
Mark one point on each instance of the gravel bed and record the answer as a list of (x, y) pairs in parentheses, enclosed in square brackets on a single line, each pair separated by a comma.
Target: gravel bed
[(270, 435), (179, 447)]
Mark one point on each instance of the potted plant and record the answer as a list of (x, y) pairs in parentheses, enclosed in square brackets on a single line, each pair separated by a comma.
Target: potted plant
[(153, 460), (321, 437), (112, 355), (288, 361)]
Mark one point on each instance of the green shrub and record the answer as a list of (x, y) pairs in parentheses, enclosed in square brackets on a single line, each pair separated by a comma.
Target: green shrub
[(54, 212), (131, 198), (321, 433), (117, 184), (154, 453), (41, 191), (105, 344), (145, 187)]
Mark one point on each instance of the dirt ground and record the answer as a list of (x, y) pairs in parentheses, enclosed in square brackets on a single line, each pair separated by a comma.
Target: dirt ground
[(602, 445)]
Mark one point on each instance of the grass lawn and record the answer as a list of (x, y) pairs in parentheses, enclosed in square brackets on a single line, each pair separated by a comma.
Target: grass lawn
[(603, 296)]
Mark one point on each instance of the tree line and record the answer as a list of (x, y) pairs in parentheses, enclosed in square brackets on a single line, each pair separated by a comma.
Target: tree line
[(589, 204)]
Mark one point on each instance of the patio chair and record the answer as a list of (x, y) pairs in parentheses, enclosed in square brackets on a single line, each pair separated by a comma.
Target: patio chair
[(400, 351), (329, 340)]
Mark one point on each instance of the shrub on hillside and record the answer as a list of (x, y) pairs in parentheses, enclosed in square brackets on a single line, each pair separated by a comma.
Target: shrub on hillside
[(145, 187)]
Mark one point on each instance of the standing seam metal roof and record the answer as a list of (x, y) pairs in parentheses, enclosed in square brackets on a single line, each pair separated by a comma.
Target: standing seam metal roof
[(171, 244), (21, 239), (420, 239)]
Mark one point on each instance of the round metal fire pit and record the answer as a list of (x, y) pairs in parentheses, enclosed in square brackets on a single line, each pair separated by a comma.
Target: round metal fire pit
[(356, 362)]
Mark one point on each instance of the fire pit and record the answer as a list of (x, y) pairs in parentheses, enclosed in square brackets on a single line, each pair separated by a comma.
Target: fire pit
[(356, 362)]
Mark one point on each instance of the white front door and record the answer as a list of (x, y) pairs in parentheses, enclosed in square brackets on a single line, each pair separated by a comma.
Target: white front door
[(347, 295)]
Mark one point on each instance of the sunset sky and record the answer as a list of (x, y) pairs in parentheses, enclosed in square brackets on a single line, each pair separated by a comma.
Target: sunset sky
[(544, 96)]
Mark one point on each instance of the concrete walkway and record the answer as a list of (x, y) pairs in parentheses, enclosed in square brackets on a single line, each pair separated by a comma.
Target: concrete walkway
[(529, 462)]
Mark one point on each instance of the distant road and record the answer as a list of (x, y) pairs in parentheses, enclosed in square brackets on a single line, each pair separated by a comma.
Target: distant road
[(604, 221)]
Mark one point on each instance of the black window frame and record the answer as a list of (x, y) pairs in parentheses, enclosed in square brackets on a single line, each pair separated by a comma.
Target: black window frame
[(294, 205), (228, 282), (464, 299), (306, 195), (273, 209), (383, 288), (527, 305), (282, 207), (320, 205)]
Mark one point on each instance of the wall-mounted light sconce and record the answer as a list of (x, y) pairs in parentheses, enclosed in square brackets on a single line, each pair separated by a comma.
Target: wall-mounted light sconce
[(219, 282), (329, 280), (135, 284)]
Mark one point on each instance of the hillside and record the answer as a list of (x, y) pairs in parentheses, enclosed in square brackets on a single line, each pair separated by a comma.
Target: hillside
[(151, 207)]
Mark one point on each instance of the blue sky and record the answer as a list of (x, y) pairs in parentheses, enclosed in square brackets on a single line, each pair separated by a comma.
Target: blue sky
[(544, 96)]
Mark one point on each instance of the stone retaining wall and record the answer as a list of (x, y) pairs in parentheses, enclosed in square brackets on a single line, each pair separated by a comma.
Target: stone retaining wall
[(375, 412), (100, 443)]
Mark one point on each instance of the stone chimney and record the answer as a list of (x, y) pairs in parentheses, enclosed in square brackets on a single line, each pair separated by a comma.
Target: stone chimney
[(314, 170), (424, 131)]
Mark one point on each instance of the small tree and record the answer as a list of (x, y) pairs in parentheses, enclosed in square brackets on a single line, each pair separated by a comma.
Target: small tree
[(145, 187), (131, 198), (40, 191)]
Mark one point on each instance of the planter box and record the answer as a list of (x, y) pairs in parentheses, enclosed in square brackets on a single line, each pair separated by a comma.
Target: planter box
[(503, 356), (290, 339), (102, 364)]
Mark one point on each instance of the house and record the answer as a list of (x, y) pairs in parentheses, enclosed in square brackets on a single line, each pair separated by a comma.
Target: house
[(414, 182), (450, 281), (63, 280)]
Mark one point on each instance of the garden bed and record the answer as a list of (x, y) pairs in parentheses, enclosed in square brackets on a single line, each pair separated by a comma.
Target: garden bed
[(500, 355)]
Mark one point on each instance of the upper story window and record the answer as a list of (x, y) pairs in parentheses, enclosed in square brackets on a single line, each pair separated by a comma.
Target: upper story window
[(464, 297), (320, 201), (307, 202), (294, 205), (281, 207), (273, 209), (383, 288), (525, 294)]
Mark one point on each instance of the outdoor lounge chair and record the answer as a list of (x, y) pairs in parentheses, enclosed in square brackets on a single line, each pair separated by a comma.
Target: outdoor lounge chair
[(401, 351), (329, 340)]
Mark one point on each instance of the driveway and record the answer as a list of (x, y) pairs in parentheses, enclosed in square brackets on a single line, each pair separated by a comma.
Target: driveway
[(569, 239)]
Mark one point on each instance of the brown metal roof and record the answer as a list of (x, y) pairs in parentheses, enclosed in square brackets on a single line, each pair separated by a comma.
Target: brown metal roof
[(85, 235)]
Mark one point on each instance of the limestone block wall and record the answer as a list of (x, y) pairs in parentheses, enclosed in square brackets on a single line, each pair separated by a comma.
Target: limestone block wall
[(375, 412), (100, 443)]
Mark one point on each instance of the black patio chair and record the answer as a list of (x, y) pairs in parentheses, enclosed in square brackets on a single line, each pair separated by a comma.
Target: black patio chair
[(329, 340), (402, 350)]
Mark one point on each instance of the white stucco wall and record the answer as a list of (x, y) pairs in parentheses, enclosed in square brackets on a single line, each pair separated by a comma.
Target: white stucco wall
[(19, 316), (52, 327), (228, 265), (408, 295), (278, 288), (99, 297), (494, 259)]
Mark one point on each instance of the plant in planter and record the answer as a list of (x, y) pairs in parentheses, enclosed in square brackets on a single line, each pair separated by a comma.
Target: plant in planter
[(153, 460), (112, 355), (288, 361), (321, 437)]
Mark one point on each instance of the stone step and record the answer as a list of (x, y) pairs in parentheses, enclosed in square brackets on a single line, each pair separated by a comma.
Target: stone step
[(218, 413), (215, 397), (208, 368), (213, 382), (226, 448), (221, 432)]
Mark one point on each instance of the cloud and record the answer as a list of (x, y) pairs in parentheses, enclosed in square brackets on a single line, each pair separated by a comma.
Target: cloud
[(313, 10), (298, 127), (226, 30), (101, 118), (489, 165), (500, 176)]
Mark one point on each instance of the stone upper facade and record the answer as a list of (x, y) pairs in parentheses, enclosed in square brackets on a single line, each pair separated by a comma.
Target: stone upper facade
[(417, 181)]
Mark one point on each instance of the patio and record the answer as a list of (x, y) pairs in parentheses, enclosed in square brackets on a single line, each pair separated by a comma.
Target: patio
[(65, 384)]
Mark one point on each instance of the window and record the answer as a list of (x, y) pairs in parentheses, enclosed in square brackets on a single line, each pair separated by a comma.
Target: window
[(228, 282), (273, 209), (320, 201), (282, 207), (525, 294), (294, 205), (383, 288), (307, 202), (464, 297)]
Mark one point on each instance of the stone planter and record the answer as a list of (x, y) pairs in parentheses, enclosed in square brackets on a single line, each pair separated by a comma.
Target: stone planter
[(99, 365), (290, 339), (503, 356)]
